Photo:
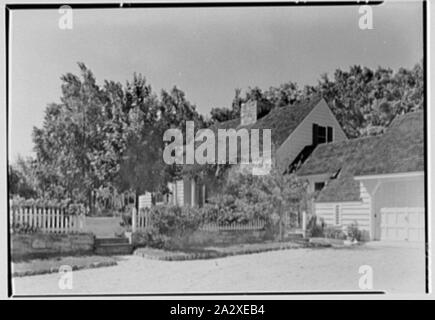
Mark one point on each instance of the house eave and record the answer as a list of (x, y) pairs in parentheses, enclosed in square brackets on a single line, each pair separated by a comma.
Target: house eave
[(390, 176), (337, 202)]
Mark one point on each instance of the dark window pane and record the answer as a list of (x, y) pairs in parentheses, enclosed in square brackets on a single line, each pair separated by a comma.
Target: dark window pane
[(318, 186), (321, 134), (330, 134), (315, 127)]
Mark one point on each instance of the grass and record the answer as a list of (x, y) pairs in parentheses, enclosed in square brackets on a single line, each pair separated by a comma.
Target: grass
[(52, 265), (216, 252)]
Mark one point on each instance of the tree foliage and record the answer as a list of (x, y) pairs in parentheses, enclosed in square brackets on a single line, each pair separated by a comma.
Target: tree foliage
[(363, 100), (109, 136)]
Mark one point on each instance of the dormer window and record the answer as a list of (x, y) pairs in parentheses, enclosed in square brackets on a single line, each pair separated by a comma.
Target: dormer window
[(318, 186), (322, 134)]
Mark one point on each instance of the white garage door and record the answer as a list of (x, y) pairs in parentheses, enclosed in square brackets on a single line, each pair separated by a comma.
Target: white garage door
[(402, 224)]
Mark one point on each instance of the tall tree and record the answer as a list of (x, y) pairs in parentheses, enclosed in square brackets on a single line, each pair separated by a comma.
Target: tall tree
[(71, 138), (140, 163)]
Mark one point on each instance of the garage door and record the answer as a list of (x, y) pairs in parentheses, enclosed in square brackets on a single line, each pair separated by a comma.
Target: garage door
[(402, 224)]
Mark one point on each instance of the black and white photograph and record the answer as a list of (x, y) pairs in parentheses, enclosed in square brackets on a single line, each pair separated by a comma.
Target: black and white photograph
[(217, 148)]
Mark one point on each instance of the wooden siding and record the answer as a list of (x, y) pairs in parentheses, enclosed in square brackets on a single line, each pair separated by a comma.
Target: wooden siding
[(179, 185), (351, 212), (145, 200), (303, 135)]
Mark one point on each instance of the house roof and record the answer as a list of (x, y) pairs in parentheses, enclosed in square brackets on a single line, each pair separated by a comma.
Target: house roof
[(400, 149), (331, 157), (341, 159), (281, 120)]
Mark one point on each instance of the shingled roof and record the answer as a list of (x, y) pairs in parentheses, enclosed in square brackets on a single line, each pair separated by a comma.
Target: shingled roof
[(341, 159), (331, 157), (281, 120), (400, 149)]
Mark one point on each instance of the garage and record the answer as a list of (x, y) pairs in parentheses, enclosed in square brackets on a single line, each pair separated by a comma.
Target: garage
[(402, 223)]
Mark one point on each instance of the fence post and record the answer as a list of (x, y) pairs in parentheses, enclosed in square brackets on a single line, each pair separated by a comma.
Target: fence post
[(304, 223), (81, 222), (133, 219)]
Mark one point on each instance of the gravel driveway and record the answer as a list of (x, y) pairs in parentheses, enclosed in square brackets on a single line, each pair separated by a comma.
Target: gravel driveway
[(397, 268)]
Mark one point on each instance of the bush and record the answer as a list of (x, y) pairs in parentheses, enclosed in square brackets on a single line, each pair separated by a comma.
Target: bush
[(175, 221), (316, 227), (151, 238), (226, 209), (354, 233), (246, 197), (170, 226), (334, 233), (71, 208), (24, 228)]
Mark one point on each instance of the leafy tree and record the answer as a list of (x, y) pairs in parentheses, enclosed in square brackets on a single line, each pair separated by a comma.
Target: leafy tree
[(21, 179), (221, 114), (284, 95), (175, 110), (137, 148), (71, 139)]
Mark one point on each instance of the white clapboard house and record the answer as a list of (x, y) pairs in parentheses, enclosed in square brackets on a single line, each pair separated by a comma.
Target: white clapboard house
[(295, 131), (376, 182)]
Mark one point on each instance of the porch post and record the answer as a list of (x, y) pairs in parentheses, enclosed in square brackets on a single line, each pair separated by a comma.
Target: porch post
[(192, 192), (133, 219)]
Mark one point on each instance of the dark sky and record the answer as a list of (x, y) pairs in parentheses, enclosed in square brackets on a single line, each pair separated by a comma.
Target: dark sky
[(207, 52)]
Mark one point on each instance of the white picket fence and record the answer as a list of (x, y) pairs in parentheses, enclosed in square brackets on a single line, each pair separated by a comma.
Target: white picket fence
[(47, 220), (253, 225), (140, 220)]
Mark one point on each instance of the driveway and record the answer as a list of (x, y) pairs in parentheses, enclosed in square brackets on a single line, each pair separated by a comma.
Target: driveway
[(397, 268)]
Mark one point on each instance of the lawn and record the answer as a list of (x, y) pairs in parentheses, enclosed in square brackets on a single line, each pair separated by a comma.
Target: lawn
[(52, 265), (211, 252)]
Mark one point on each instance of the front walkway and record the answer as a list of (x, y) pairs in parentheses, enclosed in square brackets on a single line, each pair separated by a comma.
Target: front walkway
[(103, 227), (396, 269)]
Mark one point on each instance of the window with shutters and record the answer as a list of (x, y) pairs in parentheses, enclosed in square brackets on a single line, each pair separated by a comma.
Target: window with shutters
[(322, 134)]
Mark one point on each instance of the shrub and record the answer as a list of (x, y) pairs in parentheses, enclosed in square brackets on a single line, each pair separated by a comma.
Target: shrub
[(71, 208), (151, 238), (334, 233), (227, 209), (170, 226), (354, 233), (175, 220), (246, 197), (24, 228), (316, 227)]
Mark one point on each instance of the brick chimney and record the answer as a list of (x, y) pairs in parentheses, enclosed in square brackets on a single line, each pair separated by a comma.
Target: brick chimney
[(248, 113)]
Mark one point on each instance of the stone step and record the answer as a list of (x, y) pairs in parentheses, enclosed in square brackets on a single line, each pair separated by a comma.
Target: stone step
[(113, 248), (99, 241)]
